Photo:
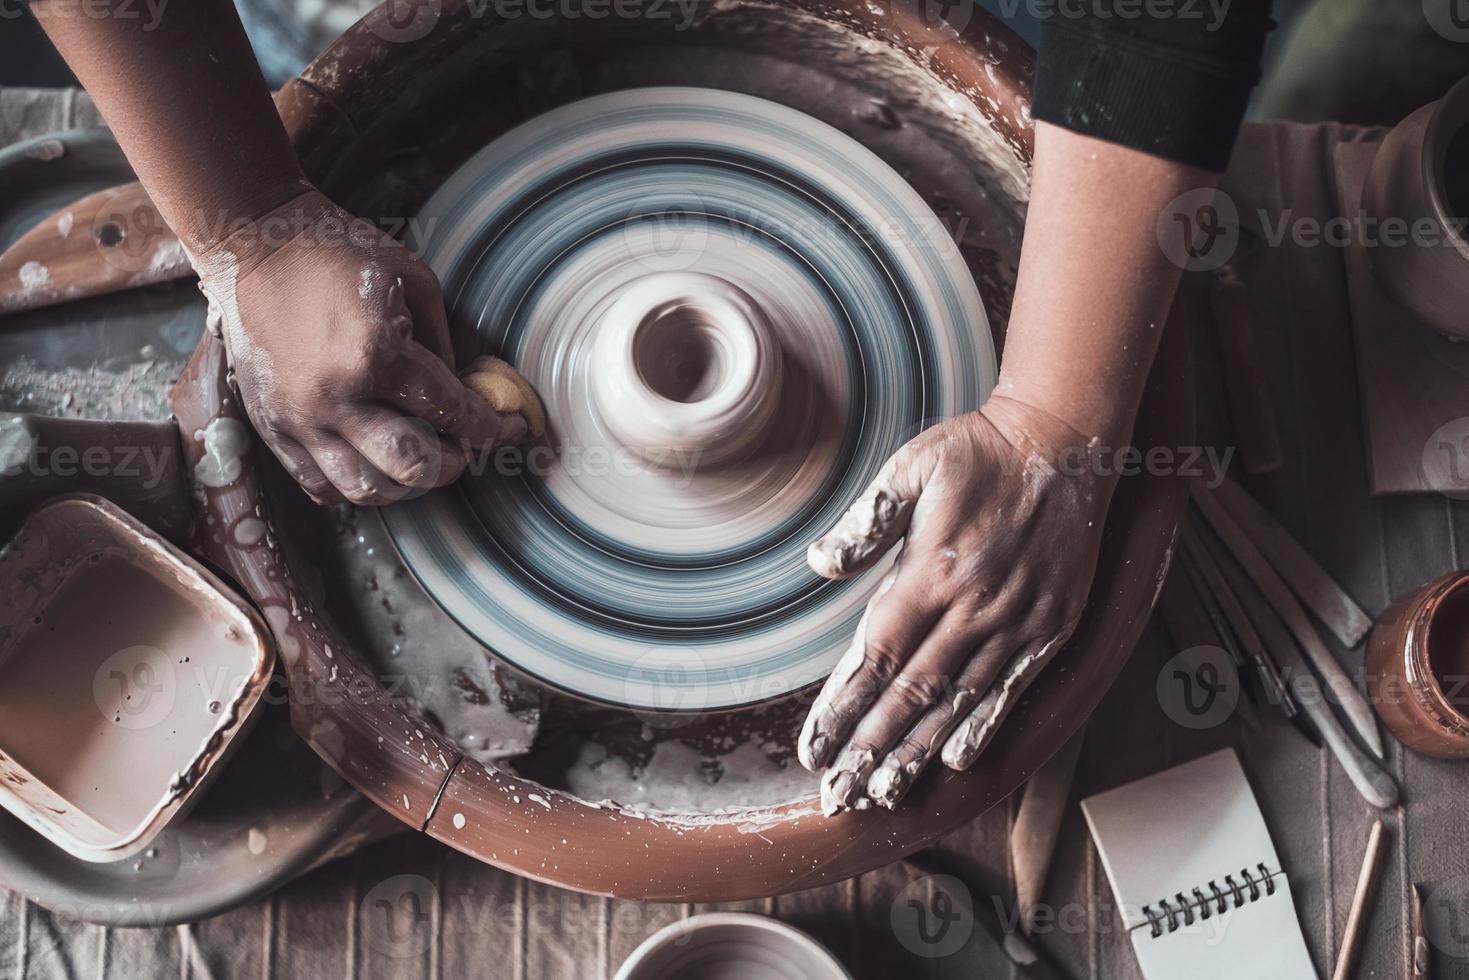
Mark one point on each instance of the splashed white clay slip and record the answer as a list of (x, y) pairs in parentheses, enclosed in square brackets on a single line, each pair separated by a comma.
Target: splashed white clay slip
[(126, 671)]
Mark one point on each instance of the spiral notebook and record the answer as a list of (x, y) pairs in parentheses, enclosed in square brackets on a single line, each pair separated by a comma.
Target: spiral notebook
[(1201, 890)]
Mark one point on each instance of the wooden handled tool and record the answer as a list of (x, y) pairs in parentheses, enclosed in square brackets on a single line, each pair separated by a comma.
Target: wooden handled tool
[(1353, 705), (1301, 572), (1371, 780), (108, 241), (1357, 918)]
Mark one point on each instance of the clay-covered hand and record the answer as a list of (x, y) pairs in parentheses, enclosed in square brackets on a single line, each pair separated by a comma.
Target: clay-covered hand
[(339, 343), (1002, 522)]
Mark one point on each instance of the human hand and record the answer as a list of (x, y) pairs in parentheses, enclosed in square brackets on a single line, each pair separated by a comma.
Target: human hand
[(340, 346), (1001, 542)]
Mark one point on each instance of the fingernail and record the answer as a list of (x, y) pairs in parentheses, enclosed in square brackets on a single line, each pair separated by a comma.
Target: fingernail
[(813, 751), (889, 782), (836, 789), (964, 745), (845, 780)]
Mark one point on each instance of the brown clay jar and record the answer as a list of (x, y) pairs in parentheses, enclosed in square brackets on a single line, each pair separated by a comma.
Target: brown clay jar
[(1418, 668)]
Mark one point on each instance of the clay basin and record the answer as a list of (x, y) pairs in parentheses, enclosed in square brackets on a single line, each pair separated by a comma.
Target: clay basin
[(393, 107)]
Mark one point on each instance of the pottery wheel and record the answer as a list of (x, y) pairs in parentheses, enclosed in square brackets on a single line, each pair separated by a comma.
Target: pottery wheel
[(734, 314)]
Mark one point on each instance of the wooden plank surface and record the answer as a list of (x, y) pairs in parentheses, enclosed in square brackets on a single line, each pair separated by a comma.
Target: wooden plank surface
[(410, 908)]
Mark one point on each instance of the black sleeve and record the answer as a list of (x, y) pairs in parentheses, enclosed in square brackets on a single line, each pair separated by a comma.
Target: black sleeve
[(1168, 77)]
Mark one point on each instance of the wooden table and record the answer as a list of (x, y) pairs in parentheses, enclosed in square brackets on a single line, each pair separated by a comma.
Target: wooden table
[(411, 908)]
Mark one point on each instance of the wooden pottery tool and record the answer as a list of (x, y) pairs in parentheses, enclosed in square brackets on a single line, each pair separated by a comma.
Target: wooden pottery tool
[(110, 240), (1418, 668), (1366, 773), (1038, 824), (1346, 960), (1420, 951), (1305, 576), (1343, 691), (1029, 960), (1276, 691), (1250, 409)]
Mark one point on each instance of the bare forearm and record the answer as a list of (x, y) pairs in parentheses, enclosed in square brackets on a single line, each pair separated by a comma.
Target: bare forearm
[(185, 98), (1095, 287)]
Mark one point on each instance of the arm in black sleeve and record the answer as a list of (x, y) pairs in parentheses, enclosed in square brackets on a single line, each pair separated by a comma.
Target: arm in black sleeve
[(1168, 77)]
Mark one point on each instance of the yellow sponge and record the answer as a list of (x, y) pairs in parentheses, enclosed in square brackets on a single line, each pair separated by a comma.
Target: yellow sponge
[(506, 391)]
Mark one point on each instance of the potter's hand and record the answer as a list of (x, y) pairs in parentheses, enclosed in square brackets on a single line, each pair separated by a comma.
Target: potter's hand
[(339, 343), (1002, 529)]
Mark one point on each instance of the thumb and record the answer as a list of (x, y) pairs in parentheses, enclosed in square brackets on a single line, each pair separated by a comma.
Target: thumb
[(875, 521)]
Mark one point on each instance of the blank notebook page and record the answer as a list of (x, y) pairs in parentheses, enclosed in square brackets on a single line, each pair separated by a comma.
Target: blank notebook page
[(1179, 845)]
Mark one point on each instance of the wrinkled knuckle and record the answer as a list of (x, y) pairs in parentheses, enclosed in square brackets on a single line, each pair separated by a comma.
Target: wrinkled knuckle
[(913, 694), (883, 661)]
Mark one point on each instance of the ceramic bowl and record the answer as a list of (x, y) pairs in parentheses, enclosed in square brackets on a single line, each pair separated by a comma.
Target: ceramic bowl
[(731, 946)]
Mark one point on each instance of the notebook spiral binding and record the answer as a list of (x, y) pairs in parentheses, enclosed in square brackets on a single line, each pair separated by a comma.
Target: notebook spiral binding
[(1181, 911)]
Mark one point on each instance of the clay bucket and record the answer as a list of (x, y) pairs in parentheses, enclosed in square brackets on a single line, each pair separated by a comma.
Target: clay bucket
[(379, 119)]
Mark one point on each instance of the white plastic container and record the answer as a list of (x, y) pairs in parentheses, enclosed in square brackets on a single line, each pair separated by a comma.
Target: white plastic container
[(127, 671)]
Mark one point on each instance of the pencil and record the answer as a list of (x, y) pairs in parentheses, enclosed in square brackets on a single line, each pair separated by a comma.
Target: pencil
[(1356, 921)]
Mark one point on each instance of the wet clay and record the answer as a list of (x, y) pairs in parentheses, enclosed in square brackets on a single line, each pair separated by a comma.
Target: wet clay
[(112, 692)]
